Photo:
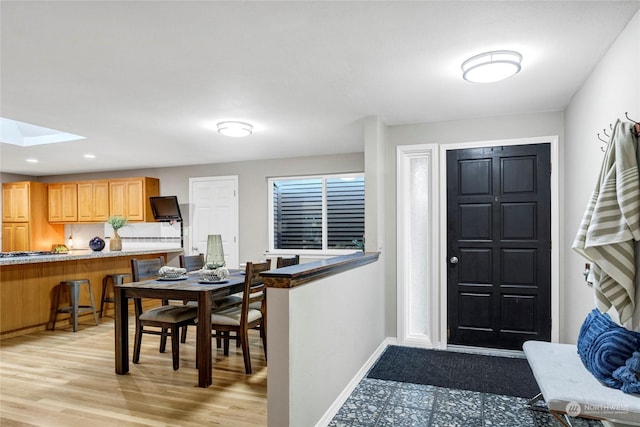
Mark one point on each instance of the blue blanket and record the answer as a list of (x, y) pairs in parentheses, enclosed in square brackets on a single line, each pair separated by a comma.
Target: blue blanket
[(629, 374), (605, 347)]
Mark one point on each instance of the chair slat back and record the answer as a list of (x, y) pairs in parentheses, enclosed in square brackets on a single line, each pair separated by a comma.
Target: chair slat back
[(253, 285), (192, 262), (286, 262), (143, 269)]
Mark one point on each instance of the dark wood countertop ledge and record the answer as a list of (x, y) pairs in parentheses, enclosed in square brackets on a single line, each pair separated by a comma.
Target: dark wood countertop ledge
[(296, 275)]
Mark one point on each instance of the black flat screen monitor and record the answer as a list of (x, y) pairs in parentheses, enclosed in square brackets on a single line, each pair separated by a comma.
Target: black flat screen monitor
[(165, 208)]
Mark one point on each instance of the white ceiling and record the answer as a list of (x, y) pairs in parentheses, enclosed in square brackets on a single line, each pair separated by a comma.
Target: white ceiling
[(142, 80)]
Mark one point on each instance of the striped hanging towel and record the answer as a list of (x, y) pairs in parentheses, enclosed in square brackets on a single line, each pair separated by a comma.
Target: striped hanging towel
[(611, 223)]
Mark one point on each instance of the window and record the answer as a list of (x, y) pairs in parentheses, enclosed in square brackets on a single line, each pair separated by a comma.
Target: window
[(322, 213)]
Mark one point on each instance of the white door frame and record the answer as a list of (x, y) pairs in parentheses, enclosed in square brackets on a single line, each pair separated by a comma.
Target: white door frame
[(430, 329)]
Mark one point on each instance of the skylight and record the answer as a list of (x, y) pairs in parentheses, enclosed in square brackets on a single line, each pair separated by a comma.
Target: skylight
[(26, 135)]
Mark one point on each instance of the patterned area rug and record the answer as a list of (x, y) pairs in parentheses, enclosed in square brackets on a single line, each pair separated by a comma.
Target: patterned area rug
[(380, 403), (510, 376)]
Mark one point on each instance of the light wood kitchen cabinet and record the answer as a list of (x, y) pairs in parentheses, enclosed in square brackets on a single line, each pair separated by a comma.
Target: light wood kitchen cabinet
[(15, 236), (25, 225), (129, 197), (93, 201), (15, 201), (63, 202), (97, 200)]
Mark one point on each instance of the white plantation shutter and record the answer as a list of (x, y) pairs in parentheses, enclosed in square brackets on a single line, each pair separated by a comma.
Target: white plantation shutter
[(298, 214), (345, 212)]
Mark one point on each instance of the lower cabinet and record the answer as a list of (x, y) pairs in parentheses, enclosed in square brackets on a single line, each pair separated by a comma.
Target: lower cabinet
[(15, 236)]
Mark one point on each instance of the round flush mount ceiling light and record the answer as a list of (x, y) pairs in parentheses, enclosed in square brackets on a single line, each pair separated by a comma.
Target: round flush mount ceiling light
[(491, 66), (235, 129)]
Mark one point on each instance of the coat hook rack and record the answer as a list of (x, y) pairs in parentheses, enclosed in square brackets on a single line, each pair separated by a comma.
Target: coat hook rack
[(636, 131), (602, 146)]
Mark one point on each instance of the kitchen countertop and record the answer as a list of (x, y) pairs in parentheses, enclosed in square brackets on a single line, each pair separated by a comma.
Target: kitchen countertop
[(84, 254)]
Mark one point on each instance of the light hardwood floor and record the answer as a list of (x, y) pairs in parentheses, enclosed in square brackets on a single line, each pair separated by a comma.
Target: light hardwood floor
[(68, 379)]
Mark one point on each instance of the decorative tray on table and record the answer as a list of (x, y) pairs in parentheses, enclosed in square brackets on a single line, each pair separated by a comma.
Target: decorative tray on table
[(172, 278)]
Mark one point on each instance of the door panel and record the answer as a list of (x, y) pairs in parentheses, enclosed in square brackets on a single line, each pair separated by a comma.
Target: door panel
[(499, 229), (215, 211)]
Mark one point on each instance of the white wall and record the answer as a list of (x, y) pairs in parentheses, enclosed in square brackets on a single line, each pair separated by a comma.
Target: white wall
[(320, 336), (612, 89)]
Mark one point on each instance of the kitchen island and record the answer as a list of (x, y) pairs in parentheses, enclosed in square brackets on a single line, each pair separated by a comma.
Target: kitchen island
[(28, 283)]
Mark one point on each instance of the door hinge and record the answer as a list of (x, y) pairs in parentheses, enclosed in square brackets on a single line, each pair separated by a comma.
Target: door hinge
[(550, 167), (550, 245)]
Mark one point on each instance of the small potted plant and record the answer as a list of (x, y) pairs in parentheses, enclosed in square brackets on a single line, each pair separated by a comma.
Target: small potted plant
[(117, 222)]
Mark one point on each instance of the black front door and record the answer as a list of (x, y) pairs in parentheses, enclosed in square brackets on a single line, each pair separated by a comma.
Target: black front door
[(499, 245)]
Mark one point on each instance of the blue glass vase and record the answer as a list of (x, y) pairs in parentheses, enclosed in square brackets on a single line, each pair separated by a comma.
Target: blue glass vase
[(96, 244)]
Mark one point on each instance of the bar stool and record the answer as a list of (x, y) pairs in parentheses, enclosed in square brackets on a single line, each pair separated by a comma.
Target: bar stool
[(116, 279), (74, 309)]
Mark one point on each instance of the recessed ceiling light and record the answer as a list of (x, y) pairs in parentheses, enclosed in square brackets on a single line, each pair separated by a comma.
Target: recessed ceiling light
[(491, 66), (32, 160), (235, 129), (89, 156)]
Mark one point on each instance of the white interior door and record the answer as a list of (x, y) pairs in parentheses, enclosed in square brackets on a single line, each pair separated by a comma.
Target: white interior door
[(214, 210)]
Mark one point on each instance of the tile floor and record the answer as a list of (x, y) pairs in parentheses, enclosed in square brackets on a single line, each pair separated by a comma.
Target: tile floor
[(378, 403)]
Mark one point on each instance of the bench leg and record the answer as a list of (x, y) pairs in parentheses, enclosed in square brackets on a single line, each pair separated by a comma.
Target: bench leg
[(562, 418), (531, 403)]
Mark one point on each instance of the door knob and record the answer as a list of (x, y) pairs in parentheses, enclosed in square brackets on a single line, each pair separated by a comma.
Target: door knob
[(453, 260)]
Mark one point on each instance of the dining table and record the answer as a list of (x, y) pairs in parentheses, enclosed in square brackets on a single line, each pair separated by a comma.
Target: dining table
[(189, 287)]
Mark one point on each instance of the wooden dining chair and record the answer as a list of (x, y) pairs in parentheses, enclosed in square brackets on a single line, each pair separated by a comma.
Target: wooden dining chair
[(168, 318), (241, 319), (286, 262), (192, 262)]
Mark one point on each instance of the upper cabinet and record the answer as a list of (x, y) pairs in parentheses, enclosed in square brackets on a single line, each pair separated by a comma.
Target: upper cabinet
[(25, 224), (129, 197), (15, 201), (97, 200), (93, 201), (63, 202)]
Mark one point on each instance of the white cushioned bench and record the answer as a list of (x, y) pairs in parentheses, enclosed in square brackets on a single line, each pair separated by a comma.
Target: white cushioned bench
[(564, 380)]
